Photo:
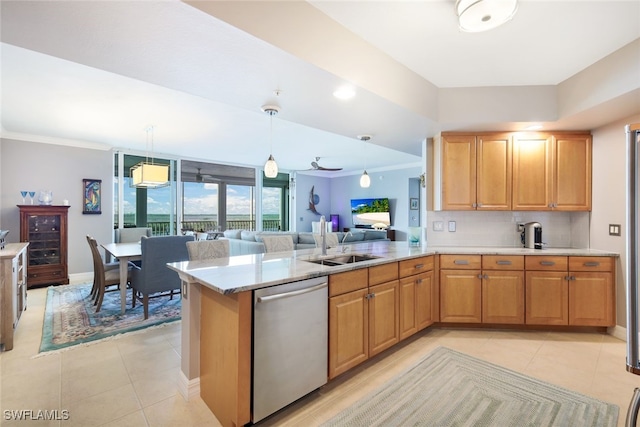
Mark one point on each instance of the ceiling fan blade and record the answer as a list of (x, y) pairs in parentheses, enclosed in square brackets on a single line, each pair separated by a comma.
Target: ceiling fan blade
[(320, 168)]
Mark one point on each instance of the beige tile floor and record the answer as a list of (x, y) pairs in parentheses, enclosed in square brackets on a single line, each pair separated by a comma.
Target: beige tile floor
[(131, 380)]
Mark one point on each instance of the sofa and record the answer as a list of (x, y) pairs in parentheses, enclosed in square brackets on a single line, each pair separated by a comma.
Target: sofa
[(244, 242)]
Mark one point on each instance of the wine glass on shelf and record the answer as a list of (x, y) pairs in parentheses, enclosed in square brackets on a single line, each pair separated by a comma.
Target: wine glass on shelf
[(23, 194), (32, 194)]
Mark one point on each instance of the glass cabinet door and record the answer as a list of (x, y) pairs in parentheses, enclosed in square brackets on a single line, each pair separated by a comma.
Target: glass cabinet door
[(44, 238)]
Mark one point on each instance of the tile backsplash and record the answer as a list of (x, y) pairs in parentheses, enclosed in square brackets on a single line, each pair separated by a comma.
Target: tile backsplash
[(495, 228)]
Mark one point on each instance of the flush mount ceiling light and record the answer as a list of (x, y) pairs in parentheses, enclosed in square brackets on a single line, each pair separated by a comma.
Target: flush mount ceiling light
[(482, 15), (344, 92), (148, 174), (271, 167), (365, 180)]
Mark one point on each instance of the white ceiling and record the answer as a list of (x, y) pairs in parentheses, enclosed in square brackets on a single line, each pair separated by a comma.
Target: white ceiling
[(98, 73)]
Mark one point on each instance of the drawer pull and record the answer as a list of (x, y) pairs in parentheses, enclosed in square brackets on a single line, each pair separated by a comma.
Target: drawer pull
[(418, 266), (591, 264), (503, 262), (461, 262), (547, 263)]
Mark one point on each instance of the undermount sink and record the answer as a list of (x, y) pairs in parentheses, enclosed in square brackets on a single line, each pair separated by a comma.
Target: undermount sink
[(341, 259)]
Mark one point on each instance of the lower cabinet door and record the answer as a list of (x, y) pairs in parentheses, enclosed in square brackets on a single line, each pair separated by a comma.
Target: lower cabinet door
[(591, 299), (348, 331), (408, 325), (547, 298), (503, 297), (460, 296), (384, 329)]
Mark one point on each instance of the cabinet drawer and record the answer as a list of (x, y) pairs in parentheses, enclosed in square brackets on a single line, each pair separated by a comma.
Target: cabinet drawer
[(383, 273), (348, 281), (590, 263), (546, 263), (461, 262), (413, 266), (503, 262)]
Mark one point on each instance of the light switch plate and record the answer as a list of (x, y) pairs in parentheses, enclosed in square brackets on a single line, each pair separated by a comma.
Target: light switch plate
[(452, 226), (438, 225), (614, 229)]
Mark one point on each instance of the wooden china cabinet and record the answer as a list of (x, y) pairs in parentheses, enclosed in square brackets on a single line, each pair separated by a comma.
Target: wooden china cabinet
[(45, 228)]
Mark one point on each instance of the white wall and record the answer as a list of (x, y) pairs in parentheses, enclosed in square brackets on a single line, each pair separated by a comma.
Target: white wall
[(303, 217), (609, 199), (61, 169), (393, 184)]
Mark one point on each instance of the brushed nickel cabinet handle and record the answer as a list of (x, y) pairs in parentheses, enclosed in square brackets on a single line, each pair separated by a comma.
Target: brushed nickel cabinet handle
[(418, 266), (591, 264), (547, 263), (503, 262), (461, 262)]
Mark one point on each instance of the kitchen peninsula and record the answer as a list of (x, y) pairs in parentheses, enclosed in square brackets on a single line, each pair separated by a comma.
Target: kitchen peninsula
[(218, 302)]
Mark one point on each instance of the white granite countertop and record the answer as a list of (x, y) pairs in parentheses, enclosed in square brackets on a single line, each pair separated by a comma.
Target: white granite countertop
[(247, 272)]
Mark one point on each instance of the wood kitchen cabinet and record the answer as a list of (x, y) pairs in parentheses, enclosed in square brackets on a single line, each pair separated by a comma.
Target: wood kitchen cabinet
[(552, 171), (503, 289), (591, 291), (546, 290), (460, 289), (476, 171), (348, 320), (363, 315), (45, 228), (416, 287)]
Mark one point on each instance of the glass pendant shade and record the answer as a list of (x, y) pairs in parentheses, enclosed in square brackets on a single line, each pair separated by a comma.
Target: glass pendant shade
[(365, 181), (271, 167), (147, 175), (482, 15)]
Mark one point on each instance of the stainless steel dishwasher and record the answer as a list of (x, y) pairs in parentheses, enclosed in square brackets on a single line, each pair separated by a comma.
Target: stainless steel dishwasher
[(290, 339)]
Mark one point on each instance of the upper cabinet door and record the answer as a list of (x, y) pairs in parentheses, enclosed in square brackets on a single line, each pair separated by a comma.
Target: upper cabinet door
[(458, 172), (572, 173), (532, 172), (493, 163)]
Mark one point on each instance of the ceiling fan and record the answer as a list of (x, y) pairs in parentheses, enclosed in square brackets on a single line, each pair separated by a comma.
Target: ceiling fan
[(316, 166)]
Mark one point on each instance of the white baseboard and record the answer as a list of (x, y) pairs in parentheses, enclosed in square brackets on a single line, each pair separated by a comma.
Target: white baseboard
[(618, 332), (188, 388)]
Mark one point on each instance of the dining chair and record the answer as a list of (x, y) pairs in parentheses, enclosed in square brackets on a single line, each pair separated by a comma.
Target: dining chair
[(153, 278), (105, 275), (131, 235), (207, 249), (277, 243), (331, 239)]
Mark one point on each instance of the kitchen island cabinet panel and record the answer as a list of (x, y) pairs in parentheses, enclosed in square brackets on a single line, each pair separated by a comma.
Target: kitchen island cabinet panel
[(348, 331), (225, 355), (384, 330), (341, 283)]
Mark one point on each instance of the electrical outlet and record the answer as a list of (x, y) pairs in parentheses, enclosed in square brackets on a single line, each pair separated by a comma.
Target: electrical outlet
[(438, 225), (452, 226), (520, 228)]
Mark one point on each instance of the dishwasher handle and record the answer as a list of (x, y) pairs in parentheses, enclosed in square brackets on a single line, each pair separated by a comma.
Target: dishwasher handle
[(291, 294)]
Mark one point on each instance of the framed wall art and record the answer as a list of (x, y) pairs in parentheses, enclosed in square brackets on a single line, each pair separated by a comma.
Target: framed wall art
[(92, 196)]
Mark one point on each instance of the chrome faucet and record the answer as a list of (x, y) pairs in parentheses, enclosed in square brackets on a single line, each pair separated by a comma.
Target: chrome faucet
[(343, 249), (323, 234)]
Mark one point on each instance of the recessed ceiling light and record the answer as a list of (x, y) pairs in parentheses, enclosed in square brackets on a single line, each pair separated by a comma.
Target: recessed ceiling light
[(344, 92)]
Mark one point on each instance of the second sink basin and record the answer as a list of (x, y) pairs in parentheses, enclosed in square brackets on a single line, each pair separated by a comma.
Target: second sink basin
[(341, 259)]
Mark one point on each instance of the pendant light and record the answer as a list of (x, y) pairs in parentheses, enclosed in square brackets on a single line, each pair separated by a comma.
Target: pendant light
[(482, 15), (271, 167), (365, 181), (148, 174)]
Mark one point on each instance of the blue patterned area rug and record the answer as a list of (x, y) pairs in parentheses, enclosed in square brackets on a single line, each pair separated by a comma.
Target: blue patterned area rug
[(70, 317), (448, 388)]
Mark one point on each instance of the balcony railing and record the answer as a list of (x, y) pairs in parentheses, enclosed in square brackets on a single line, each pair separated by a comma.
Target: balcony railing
[(162, 228)]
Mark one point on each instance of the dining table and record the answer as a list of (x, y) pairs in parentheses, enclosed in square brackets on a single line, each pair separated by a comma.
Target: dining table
[(124, 252)]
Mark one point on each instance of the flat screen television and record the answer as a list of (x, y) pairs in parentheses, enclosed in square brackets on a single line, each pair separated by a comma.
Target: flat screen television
[(367, 212)]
